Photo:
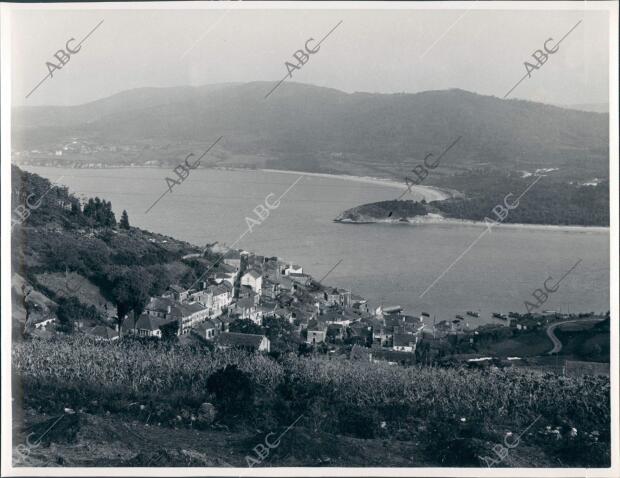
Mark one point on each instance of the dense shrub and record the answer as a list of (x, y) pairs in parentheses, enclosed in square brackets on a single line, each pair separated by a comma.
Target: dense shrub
[(71, 310), (233, 390), (574, 451), (169, 331), (358, 422)]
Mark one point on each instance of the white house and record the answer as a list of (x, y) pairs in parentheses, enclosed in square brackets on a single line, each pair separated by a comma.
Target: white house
[(233, 258), (404, 342), (218, 297), (160, 307), (148, 326), (177, 293), (293, 269), (168, 309), (317, 332), (42, 324), (207, 330), (248, 309), (253, 279), (336, 296), (191, 315)]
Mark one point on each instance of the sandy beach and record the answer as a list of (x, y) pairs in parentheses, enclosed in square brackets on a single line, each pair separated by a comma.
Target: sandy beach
[(429, 193)]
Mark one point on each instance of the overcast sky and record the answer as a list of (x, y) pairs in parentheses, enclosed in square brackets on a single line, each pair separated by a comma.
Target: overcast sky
[(372, 50)]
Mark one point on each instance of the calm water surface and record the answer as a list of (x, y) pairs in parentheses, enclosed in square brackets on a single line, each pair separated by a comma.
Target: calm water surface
[(389, 264)]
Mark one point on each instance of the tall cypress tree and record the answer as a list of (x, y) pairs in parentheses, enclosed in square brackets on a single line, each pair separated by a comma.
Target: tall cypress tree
[(124, 224)]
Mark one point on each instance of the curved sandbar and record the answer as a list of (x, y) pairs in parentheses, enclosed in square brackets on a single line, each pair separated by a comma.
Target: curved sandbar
[(429, 193)]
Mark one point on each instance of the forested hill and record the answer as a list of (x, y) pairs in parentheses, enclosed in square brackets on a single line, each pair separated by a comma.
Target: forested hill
[(313, 128), (542, 201), (54, 234)]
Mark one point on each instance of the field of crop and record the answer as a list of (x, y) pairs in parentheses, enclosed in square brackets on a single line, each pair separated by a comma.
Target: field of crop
[(457, 414)]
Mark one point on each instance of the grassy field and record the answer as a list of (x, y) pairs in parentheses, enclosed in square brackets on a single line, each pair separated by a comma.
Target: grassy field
[(79, 287), (452, 416), (523, 345)]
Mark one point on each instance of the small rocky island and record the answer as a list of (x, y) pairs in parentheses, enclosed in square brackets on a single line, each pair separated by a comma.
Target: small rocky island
[(394, 211)]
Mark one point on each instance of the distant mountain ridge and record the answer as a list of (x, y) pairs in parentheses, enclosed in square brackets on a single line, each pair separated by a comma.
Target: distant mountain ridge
[(313, 128)]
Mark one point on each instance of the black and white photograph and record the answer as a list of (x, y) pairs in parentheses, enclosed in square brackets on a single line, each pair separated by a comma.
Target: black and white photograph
[(310, 238)]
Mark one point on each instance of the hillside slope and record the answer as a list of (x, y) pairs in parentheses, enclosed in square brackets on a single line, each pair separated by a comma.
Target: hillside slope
[(64, 250), (321, 129)]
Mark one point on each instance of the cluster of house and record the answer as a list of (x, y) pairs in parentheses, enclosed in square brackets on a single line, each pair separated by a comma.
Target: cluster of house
[(80, 146), (242, 286), (206, 310), (387, 334), (252, 287), (450, 327)]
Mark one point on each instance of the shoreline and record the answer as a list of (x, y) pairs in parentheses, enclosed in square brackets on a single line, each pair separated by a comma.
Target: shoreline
[(440, 194), (440, 220), (430, 193)]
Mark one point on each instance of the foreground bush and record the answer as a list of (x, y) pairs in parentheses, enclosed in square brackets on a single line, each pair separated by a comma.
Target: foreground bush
[(456, 411), (233, 390)]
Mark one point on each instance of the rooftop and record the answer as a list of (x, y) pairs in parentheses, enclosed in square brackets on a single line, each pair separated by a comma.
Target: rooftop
[(103, 332), (246, 303), (234, 339), (252, 273), (148, 322), (392, 309), (218, 289), (232, 254), (403, 340)]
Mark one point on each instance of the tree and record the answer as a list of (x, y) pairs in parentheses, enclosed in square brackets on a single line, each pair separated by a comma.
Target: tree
[(245, 326), (130, 290), (162, 278), (276, 327), (124, 224), (233, 389), (70, 310), (280, 332), (26, 291), (76, 210), (99, 213), (120, 295), (169, 331), (332, 334)]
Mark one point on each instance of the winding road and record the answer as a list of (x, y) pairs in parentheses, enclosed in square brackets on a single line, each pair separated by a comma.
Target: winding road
[(557, 345)]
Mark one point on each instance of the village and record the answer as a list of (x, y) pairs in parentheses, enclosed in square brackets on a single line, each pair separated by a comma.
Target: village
[(264, 304), (251, 290)]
